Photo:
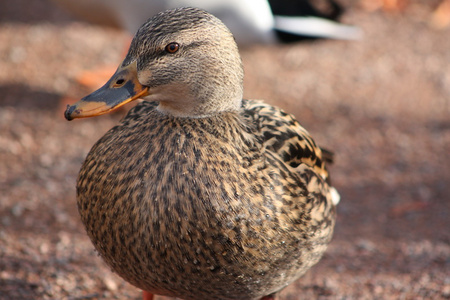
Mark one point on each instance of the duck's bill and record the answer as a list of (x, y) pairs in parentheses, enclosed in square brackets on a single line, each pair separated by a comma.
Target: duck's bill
[(123, 87)]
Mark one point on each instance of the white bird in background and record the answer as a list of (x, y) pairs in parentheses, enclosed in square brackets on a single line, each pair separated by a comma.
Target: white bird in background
[(251, 21)]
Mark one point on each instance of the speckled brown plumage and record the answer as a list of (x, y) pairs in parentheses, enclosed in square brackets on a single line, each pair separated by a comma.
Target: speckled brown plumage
[(233, 204)]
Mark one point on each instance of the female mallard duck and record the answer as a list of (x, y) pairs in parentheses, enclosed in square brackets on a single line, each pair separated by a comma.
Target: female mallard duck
[(200, 194)]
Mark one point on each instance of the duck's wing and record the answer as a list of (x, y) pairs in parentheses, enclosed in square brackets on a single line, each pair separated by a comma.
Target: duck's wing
[(285, 139)]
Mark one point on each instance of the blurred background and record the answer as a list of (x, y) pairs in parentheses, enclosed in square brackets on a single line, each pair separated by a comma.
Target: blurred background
[(380, 103)]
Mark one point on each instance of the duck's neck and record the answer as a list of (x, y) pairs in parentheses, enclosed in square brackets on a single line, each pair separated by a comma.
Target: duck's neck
[(195, 102)]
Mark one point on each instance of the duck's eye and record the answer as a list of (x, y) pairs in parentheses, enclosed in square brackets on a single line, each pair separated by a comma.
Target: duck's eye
[(119, 82), (172, 47)]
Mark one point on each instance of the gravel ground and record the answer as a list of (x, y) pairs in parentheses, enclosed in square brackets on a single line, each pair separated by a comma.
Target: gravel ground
[(381, 104)]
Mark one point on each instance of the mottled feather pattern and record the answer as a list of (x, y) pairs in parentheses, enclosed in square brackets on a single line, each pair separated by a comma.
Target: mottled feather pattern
[(284, 136), (189, 204), (197, 193)]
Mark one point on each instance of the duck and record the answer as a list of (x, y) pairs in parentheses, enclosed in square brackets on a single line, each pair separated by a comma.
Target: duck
[(198, 193), (251, 21)]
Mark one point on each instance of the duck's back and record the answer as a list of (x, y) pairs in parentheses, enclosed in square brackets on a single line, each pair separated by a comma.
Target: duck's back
[(234, 206)]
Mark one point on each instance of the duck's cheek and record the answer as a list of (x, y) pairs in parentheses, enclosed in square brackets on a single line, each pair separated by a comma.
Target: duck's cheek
[(145, 77)]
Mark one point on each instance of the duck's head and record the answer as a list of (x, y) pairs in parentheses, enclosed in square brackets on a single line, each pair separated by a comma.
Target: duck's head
[(184, 58)]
